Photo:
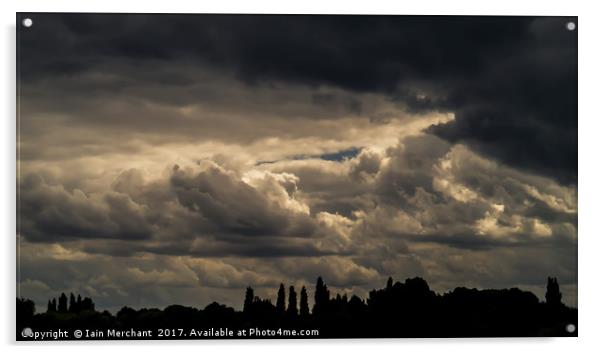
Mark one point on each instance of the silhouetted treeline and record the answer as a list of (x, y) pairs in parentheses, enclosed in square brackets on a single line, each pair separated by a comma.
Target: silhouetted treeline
[(75, 305), (400, 309)]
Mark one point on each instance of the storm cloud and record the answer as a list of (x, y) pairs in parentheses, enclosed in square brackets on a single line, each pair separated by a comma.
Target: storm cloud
[(511, 81)]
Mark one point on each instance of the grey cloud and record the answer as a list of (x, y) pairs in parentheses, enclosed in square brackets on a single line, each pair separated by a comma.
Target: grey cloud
[(211, 212), (215, 109), (50, 213), (410, 168), (207, 212), (510, 80), (234, 206), (383, 241)]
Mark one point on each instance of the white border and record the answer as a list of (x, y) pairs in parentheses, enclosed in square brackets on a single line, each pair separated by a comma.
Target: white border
[(590, 290)]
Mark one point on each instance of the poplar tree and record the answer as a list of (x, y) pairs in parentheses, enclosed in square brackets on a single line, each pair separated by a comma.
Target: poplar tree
[(292, 302), (280, 301), (303, 305)]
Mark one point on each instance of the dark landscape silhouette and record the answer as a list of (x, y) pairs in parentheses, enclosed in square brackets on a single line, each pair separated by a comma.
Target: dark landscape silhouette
[(400, 309)]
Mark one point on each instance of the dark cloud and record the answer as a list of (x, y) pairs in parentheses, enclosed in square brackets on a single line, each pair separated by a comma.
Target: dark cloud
[(314, 49), (50, 213), (511, 81), (332, 102)]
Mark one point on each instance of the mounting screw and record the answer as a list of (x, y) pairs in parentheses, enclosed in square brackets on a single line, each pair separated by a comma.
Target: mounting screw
[(571, 26), (570, 328), (27, 22)]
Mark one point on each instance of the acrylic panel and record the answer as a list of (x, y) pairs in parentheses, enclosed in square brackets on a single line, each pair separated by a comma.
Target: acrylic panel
[(205, 176)]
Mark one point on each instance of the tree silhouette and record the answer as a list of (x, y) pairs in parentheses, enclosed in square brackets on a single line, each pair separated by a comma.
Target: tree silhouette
[(356, 306), (62, 307), (303, 305), (280, 301), (263, 307), (51, 305), (26, 310), (321, 297), (26, 307), (87, 304), (249, 296), (399, 309), (292, 302), (78, 302), (553, 295), (72, 303)]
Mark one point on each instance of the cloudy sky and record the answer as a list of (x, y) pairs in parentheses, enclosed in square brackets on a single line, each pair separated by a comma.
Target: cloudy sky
[(179, 158)]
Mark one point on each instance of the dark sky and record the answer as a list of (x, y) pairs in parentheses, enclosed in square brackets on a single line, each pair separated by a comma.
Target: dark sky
[(179, 158)]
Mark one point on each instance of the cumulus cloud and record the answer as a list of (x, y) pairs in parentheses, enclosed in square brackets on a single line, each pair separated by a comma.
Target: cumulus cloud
[(51, 212), (353, 221)]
